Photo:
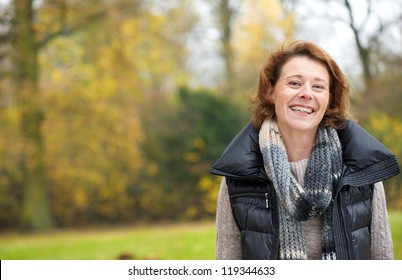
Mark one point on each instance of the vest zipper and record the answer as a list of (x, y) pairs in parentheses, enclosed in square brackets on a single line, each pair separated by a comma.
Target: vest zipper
[(255, 195), (342, 218), (338, 195)]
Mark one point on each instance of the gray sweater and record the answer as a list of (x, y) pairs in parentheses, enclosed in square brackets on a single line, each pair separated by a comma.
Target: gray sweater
[(228, 236)]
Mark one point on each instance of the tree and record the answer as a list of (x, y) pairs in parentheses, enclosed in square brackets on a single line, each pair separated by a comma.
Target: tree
[(368, 21), (226, 17), (28, 32), (248, 30), (35, 211), (95, 65), (94, 125), (189, 133), (260, 27)]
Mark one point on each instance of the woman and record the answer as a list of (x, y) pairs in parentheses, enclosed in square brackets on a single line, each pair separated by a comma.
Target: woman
[(303, 181)]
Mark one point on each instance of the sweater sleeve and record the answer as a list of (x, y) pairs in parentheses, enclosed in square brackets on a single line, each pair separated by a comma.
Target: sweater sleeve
[(381, 239), (227, 233)]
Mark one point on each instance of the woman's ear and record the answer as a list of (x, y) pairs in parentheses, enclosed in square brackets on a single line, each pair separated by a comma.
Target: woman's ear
[(270, 95)]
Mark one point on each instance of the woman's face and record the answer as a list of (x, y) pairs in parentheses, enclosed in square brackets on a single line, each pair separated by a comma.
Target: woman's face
[(301, 95)]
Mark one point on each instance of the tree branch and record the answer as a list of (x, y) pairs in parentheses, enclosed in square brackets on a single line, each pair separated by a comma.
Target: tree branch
[(368, 13), (66, 30), (70, 29), (364, 52)]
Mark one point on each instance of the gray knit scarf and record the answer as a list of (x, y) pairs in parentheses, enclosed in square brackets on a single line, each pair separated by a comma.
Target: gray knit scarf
[(299, 203)]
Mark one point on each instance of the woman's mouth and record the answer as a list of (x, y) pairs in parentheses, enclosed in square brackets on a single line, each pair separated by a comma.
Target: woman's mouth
[(303, 109)]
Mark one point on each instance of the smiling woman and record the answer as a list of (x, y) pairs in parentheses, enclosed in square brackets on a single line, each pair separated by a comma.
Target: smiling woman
[(303, 181), (301, 98)]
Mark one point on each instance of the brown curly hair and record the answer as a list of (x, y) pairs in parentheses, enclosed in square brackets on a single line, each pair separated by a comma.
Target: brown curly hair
[(338, 109)]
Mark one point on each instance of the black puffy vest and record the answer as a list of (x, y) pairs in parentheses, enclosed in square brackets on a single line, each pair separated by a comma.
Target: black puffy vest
[(254, 205)]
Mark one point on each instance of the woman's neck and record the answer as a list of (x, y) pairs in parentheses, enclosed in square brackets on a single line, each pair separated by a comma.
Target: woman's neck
[(298, 144)]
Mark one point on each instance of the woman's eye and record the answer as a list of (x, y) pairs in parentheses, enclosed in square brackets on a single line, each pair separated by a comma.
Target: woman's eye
[(294, 84), (319, 87)]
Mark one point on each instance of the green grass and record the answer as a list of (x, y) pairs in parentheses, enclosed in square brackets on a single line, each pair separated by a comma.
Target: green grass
[(395, 218), (192, 241)]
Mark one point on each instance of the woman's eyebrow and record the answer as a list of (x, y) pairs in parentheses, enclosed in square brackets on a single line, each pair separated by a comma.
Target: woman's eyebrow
[(301, 76)]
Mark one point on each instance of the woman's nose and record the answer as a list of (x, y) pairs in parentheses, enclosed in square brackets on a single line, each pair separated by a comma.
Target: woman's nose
[(306, 92)]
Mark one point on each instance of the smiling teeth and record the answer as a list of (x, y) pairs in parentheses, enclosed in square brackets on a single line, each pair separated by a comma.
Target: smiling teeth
[(302, 109)]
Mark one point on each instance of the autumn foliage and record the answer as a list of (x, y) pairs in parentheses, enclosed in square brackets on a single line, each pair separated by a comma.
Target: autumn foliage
[(107, 114)]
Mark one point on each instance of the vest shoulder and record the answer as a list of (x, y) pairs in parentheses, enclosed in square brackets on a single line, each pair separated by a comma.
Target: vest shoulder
[(365, 156), (242, 158)]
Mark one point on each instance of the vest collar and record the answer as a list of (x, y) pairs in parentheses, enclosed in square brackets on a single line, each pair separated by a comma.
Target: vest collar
[(242, 158), (366, 159)]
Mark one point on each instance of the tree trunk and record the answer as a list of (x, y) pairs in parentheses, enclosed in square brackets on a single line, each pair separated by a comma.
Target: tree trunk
[(225, 19), (35, 212), (364, 52)]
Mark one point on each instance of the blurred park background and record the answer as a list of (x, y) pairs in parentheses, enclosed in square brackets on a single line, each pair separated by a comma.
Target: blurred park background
[(113, 111)]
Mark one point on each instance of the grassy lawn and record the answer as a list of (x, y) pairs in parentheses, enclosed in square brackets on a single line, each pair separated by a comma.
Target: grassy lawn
[(192, 241), (395, 218), (169, 242)]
